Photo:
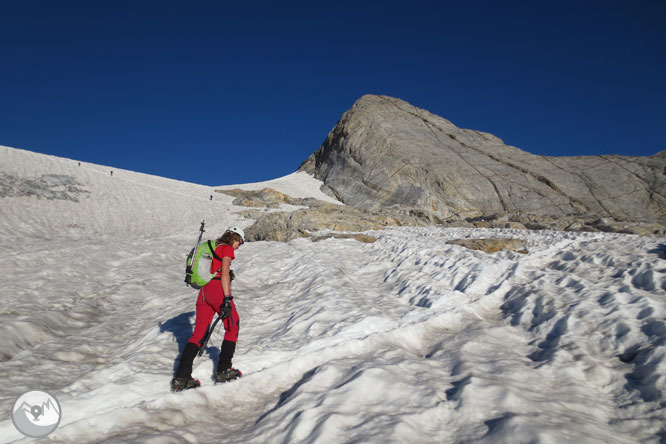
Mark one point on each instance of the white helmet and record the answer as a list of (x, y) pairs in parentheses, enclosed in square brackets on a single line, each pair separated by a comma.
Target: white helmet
[(238, 231)]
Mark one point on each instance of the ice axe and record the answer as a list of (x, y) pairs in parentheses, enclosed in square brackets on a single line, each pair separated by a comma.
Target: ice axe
[(206, 337)]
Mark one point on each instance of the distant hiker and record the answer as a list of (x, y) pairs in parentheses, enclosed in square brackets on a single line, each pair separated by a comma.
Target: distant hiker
[(214, 297), (112, 173), (79, 163), (211, 197)]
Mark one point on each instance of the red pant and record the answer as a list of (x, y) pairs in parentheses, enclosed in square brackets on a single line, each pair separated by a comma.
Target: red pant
[(208, 303)]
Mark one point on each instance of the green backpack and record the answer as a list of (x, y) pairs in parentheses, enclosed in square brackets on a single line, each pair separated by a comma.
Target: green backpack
[(197, 267)]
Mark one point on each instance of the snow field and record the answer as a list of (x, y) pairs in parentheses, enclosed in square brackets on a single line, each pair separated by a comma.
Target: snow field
[(408, 339)]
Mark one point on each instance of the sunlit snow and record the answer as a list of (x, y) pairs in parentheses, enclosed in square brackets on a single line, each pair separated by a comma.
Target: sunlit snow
[(408, 339)]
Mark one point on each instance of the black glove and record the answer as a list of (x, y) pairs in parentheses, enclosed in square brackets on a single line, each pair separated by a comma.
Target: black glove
[(225, 307)]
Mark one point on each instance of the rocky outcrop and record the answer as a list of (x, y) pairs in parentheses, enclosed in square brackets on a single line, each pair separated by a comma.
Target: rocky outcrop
[(312, 218), (385, 153), (492, 245), (310, 222), (46, 186), (267, 198), (319, 220), (567, 223)]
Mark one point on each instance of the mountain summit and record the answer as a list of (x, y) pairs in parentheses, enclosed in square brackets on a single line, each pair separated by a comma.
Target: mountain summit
[(385, 152)]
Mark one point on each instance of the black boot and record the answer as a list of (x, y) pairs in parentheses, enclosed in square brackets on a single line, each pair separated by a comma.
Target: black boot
[(180, 384), (227, 351), (227, 375), (183, 379), (224, 371), (186, 360)]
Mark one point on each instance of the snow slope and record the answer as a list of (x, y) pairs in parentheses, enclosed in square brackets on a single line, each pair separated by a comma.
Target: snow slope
[(408, 339)]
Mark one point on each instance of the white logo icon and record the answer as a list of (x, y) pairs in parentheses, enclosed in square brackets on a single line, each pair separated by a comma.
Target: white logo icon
[(36, 413)]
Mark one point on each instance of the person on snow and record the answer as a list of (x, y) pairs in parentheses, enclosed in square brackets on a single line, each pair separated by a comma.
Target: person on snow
[(214, 297)]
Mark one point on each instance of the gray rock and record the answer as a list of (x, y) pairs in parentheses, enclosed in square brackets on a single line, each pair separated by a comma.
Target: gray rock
[(492, 245), (385, 152), (46, 186), (310, 222), (267, 197), (321, 220), (283, 226)]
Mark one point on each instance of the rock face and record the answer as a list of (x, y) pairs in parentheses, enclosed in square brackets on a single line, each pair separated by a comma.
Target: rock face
[(385, 152)]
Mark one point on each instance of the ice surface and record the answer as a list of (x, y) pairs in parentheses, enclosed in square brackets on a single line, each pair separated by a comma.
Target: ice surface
[(408, 339)]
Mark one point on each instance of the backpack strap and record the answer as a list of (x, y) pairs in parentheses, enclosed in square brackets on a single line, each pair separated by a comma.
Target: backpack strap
[(212, 250)]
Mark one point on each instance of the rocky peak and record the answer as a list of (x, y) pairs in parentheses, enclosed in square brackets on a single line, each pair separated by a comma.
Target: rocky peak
[(385, 152)]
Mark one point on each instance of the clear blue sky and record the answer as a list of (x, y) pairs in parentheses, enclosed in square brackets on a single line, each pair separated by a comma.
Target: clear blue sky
[(220, 92)]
